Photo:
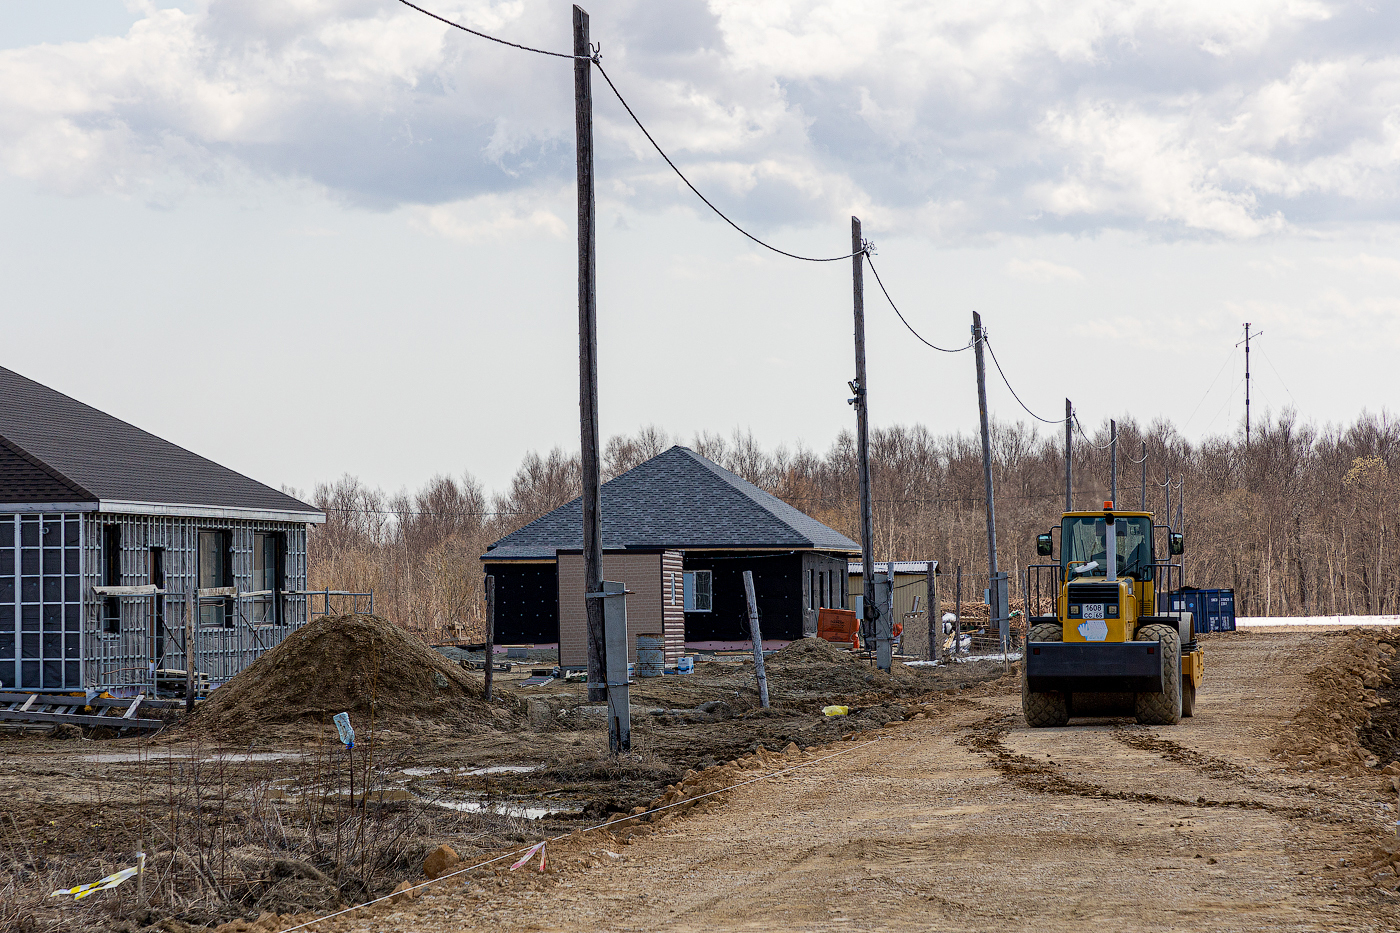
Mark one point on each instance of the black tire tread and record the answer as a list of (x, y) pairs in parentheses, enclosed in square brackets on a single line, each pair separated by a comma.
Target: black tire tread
[(1043, 709), (1165, 708)]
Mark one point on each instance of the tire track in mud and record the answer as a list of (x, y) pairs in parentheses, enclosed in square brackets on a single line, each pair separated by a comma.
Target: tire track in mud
[(1029, 774), (1220, 769)]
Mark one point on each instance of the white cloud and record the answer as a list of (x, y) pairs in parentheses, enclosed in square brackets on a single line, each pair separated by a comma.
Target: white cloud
[(958, 120), (1043, 271)]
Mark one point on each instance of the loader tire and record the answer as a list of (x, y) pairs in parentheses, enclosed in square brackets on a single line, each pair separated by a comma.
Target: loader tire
[(1043, 709), (1188, 700), (1165, 708)]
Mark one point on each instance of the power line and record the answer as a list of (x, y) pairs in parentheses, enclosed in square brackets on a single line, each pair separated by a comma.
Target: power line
[(696, 190), (1011, 390), (1228, 357), (1268, 360), (1080, 428), (870, 261), (514, 45)]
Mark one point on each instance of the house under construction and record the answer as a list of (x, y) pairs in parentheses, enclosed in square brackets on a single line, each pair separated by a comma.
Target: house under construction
[(108, 533)]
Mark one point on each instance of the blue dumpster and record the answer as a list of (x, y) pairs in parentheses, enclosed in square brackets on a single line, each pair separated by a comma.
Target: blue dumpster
[(1211, 610)]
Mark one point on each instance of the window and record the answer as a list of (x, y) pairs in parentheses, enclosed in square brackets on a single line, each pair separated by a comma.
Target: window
[(698, 591), (673, 588), (215, 570), (268, 574), (112, 575)]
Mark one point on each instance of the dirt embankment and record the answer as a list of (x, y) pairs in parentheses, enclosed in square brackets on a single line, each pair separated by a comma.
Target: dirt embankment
[(1348, 721), (388, 680)]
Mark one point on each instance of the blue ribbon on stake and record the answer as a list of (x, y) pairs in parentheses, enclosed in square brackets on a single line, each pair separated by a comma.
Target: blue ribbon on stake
[(347, 731)]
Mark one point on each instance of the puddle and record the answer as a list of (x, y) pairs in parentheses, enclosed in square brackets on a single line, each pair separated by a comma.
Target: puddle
[(518, 810), (472, 772), (129, 757)]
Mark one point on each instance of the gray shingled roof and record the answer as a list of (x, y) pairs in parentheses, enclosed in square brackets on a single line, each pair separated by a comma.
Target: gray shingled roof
[(677, 499), (56, 449)]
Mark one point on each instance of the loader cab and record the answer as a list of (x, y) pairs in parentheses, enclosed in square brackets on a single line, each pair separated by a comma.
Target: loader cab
[(1083, 539)]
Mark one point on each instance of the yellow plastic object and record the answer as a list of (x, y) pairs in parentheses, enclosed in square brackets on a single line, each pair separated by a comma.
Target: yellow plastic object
[(835, 710)]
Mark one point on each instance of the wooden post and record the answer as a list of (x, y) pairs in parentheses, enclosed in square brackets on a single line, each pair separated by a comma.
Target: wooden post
[(957, 616), (588, 361), (757, 638), (870, 623), (931, 598), (490, 631)]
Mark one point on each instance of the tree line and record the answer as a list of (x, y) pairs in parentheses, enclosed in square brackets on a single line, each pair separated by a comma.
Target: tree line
[(1297, 520)]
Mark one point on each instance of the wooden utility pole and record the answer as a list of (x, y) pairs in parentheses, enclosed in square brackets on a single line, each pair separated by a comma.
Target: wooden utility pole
[(870, 626), (588, 360), (757, 635), (1113, 456), (1143, 506), (490, 631), (1069, 454), (993, 588)]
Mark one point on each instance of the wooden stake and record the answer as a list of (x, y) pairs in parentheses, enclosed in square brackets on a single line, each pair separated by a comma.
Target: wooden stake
[(588, 361), (957, 616), (757, 638), (490, 631)]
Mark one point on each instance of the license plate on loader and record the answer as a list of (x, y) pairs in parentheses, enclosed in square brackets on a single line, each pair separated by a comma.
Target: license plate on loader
[(1093, 610)]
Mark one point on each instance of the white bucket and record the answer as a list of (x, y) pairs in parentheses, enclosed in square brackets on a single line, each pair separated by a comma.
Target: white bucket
[(651, 655)]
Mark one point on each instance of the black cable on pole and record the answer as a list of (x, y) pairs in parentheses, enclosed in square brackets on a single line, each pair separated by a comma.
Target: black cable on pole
[(707, 201), (514, 45), (1080, 428), (870, 262), (1013, 391)]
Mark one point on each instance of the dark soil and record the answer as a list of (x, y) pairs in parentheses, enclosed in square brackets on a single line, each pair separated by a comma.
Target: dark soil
[(388, 680)]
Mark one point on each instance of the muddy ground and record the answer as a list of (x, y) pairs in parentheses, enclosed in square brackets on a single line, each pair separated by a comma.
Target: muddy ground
[(1271, 809), (246, 819), (934, 807)]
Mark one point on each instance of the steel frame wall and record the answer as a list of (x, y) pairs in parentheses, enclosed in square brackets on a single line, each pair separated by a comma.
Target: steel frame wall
[(128, 658)]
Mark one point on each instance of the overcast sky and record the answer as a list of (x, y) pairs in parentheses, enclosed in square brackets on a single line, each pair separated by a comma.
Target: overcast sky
[(314, 237)]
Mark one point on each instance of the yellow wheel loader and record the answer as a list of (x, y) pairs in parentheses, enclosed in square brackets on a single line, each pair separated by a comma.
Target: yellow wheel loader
[(1107, 650)]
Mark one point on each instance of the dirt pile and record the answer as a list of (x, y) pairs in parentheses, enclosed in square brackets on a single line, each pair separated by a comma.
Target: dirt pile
[(1331, 729), (387, 679), (813, 668)]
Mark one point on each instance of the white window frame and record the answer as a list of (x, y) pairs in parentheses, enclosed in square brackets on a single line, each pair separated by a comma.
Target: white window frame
[(699, 597)]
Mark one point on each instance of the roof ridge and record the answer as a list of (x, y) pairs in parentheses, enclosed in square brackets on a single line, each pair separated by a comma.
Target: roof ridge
[(31, 459), (766, 503)]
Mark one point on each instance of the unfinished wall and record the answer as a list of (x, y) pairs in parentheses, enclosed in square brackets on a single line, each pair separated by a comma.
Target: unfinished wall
[(646, 612)]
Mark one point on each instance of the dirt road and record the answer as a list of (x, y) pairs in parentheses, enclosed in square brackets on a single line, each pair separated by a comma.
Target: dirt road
[(967, 820)]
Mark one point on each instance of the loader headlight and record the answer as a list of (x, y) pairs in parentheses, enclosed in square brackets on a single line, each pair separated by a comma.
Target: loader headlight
[(1074, 611), (1113, 611)]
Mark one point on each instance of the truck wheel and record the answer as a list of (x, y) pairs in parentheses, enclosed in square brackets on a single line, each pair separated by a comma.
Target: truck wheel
[(1043, 709), (1165, 708)]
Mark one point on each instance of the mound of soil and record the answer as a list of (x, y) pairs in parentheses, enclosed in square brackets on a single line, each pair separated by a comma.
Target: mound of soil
[(1339, 727), (814, 667), (387, 679)]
